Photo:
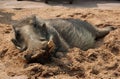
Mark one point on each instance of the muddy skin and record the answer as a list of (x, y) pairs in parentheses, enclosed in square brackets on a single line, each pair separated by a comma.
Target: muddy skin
[(34, 34)]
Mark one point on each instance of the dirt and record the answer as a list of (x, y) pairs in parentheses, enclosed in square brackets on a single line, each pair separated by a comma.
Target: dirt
[(100, 62)]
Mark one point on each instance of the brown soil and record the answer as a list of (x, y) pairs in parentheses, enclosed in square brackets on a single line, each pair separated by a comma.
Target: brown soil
[(102, 62)]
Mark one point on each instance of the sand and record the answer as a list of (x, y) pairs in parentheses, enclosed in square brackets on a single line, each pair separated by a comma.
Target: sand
[(100, 62)]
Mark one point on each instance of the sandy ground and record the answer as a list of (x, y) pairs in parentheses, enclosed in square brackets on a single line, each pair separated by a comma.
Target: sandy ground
[(102, 62)]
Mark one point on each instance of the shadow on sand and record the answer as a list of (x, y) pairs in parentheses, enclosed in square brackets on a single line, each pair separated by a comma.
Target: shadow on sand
[(85, 4), (78, 3), (6, 18)]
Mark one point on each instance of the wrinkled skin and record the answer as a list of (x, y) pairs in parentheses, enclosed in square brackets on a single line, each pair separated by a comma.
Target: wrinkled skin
[(54, 35)]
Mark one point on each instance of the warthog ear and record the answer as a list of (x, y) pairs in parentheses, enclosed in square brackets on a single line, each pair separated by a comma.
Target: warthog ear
[(14, 28), (40, 24), (13, 24), (39, 21), (32, 19)]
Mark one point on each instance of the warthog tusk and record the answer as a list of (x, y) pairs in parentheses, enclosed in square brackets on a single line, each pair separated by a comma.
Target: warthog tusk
[(51, 45)]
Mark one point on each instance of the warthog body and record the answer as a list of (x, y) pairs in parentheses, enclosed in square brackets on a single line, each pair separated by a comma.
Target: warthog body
[(62, 34)]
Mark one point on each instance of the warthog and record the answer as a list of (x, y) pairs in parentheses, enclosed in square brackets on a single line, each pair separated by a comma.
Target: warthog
[(55, 35)]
